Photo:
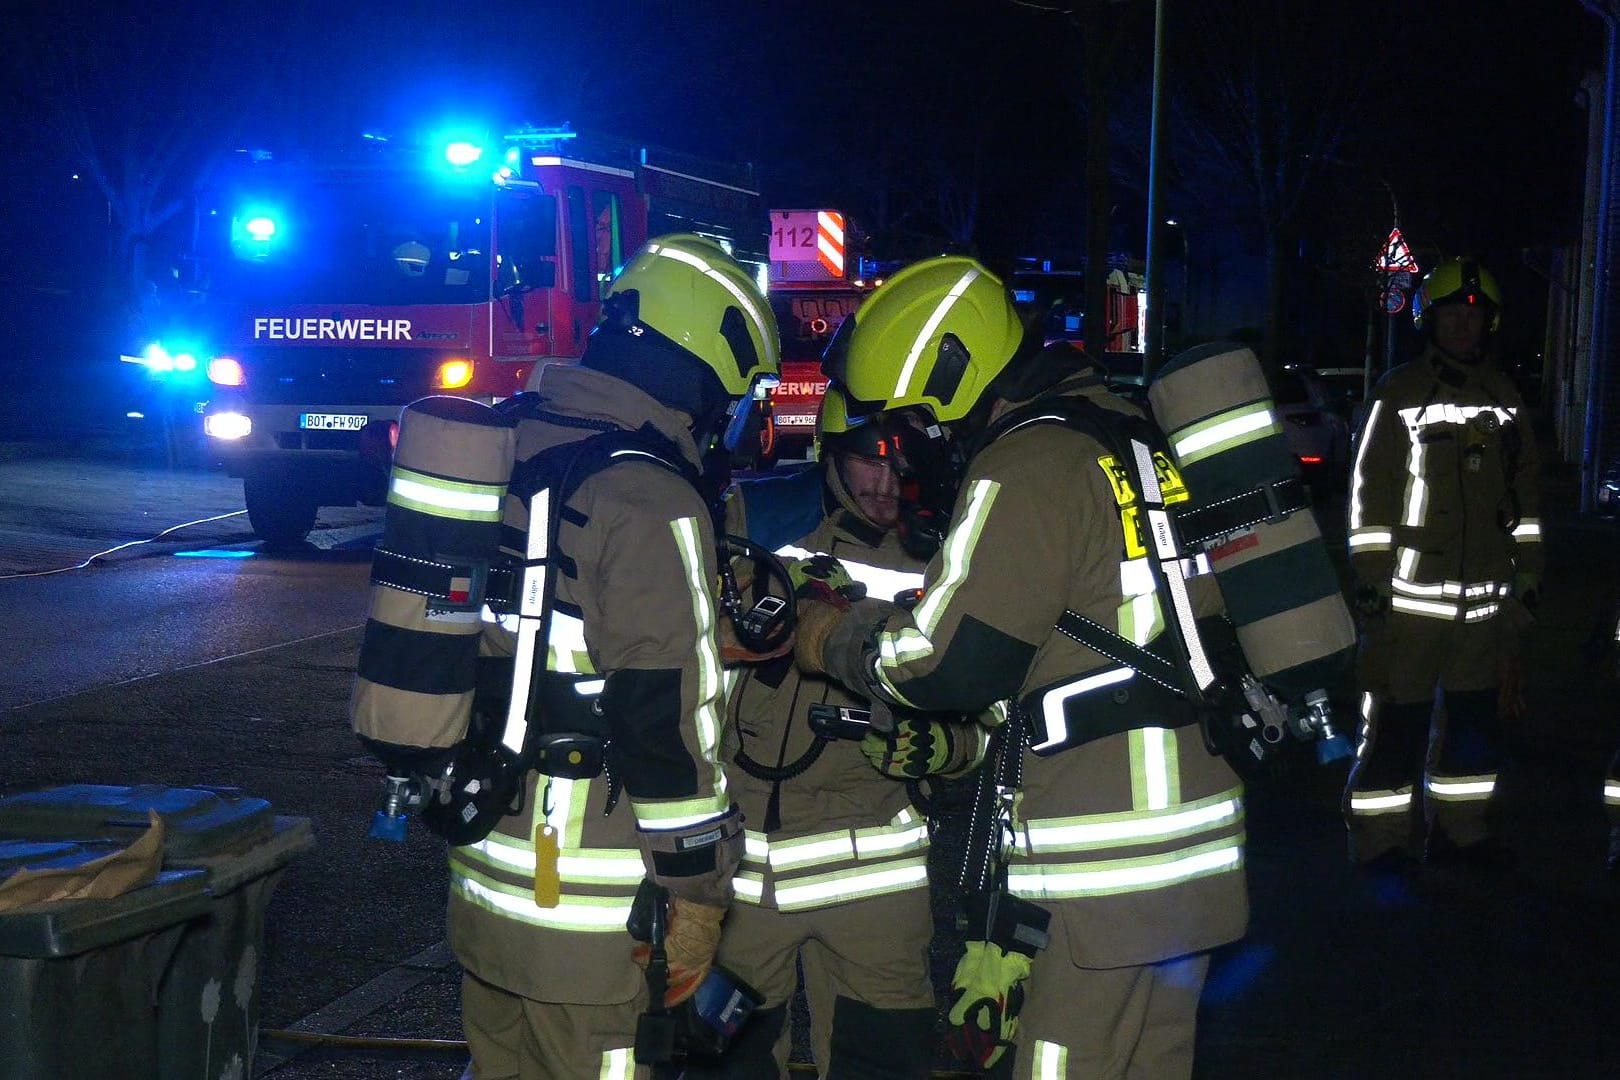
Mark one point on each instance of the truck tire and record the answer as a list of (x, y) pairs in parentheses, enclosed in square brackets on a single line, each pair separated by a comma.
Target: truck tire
[(280, 510)]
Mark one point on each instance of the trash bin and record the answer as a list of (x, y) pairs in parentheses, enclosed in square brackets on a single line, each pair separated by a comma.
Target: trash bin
[(207, 1015), (80, 980)]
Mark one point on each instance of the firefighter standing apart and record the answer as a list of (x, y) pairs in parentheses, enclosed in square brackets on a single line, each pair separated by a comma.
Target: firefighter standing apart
[(1445, 544), (538, 908), (1123, 830), (835, 870)]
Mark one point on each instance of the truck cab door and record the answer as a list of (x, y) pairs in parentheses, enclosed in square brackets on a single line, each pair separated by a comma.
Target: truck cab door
[(525, 274)]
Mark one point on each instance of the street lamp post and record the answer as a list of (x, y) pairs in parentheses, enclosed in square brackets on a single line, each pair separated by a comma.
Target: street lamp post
[(1153, 347), (1186, 274)]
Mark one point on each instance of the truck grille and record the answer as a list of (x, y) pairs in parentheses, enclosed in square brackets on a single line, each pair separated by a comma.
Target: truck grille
[(315, 377)]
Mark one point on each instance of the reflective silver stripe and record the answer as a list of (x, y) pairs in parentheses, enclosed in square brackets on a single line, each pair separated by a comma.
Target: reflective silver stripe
[(1136, 577), (1356, 477), (1044, 835), (1164, 542), (1481, 612), (1366, 715), (1380, 802), (531, 603), (749, 305), (1446, 412), (1106, 877), (928, 328), (749, 886), (1427, 608), (1528, 529), (1196, 566), (1417, 488), (1462, 788), (1052, 702), (1611, 792), (1372, 540)]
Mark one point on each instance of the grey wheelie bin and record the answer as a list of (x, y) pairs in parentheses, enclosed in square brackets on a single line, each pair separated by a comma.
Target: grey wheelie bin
[(207, 1015)]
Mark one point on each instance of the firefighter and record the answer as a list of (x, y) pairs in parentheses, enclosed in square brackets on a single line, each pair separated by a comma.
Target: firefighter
[(1125, 833), (835, 873), (1445, 547), (538, 909)]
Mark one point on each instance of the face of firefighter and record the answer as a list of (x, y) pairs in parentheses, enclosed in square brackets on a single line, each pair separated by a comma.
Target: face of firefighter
[(1459, 330), (873, 485)]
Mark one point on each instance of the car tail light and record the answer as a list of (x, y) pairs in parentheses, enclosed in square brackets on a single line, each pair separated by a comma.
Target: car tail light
[(224, 371), (454, 374), (1309, 459)]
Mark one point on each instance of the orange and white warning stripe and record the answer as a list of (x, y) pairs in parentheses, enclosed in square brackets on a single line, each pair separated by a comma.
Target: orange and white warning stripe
[(830, 241)]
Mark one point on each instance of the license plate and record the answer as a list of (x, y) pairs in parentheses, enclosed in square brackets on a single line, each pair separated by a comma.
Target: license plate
[(325, 421)]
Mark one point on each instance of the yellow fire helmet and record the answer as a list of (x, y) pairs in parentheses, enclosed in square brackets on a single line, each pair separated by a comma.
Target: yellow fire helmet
[(694, 295), (1459, 281), (933, 336)]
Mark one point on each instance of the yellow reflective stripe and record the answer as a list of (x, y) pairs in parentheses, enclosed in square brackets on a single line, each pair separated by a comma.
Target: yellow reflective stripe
[(1380, 802), (1446, 412), (1427, 608), (749, 885), (1090, 831), (1050, 1061), (812, 850), (1110, 877), (1155, 769), (445, 498), (565, 650), (680, 813), (902, 645), (617, 1064), (964, 536), (904, 832), (707, 715), (591, 914), (1224, 431), (842, 885), (1141, 618), (1371, 539)]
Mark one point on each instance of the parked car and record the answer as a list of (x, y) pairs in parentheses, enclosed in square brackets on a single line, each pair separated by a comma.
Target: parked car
[(1317, 429)]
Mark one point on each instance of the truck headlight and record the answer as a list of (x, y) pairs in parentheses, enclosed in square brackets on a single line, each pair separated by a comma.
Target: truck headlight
[(227, 425)]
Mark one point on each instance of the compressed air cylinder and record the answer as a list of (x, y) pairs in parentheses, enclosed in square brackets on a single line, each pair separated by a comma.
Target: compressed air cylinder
[(1269, 558), (441, 531)]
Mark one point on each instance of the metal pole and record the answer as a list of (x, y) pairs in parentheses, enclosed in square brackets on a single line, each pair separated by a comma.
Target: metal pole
[(1154, 345)]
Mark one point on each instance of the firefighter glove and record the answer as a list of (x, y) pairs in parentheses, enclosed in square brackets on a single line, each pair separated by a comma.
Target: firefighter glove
[(827, 571), (987, 994), (1370, 601), (821, 609), (690, 942), (917, 747)]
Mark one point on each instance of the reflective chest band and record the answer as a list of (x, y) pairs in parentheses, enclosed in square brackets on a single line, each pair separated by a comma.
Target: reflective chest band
[(1054, 716), (531, 614)]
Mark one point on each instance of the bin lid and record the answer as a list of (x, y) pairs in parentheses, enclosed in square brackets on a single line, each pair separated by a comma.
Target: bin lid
[(70, 927), (200, 822)]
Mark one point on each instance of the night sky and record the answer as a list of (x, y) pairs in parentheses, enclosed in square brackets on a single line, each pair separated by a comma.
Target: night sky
[(1468, 110)]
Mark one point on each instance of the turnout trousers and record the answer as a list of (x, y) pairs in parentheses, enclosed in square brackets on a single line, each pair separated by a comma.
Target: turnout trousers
[(865, 965), (1411, 757), (515, 1038), (1128, 1023)]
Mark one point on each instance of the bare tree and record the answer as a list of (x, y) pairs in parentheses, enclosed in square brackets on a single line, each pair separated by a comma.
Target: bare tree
[(1266, 91), (147, 101)]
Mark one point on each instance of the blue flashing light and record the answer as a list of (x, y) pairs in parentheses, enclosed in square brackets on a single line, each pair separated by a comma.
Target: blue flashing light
[(185, 362), (514, 157), (461, 154), (260, 228)]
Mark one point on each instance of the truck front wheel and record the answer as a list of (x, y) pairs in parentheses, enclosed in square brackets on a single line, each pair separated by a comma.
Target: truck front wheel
[(280, 510)]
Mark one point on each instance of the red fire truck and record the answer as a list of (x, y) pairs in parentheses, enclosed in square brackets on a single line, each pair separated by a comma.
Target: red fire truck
[(811, 293), (336, 292)]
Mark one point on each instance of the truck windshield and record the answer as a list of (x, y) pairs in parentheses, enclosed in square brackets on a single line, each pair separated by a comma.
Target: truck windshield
[(356, 242), (807, 320)]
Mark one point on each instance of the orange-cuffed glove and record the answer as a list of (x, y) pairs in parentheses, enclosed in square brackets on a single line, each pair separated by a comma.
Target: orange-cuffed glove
[(690, 942)]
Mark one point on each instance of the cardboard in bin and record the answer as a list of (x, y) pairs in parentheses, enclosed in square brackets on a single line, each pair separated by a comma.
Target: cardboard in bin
[(201, 822), (70, 927)]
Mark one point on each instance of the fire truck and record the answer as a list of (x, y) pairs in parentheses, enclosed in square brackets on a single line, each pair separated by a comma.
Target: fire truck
[(811, 293), (335, 292)]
